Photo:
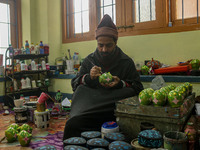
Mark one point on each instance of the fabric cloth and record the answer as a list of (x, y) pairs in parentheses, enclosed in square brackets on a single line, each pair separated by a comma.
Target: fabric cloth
[(92, 104), (107, 28)]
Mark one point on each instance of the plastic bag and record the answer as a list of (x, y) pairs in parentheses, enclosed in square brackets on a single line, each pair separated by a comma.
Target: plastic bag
[(66, 102), (157, 83)]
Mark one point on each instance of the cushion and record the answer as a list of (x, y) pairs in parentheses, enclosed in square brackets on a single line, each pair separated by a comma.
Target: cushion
[(97, 143), (91, 134), (111, 137), (119, 145), (74, 147), (150, 138)]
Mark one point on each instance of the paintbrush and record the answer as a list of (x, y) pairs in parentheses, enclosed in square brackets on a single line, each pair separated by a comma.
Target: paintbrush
[(94, 65), (70, 57)]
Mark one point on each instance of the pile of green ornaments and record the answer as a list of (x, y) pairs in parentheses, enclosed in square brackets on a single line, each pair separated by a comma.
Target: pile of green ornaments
[(21, 133), (171, 94)]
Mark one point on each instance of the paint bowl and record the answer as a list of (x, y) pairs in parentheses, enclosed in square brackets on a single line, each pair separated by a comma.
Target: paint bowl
[(18, 102), (175, 140)]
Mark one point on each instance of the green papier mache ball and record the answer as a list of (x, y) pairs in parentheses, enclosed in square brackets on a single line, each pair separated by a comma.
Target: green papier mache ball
[(175, 99), (105, 78), (25, 127), (11, 134), (14, 125), (158, 98), (24, 138)]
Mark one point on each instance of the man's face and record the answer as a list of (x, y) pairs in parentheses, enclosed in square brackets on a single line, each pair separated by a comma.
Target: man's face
[(106, 45)]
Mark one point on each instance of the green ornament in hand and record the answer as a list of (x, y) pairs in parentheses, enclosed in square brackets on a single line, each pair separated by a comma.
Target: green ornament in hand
[(11, 134), (105, 78), (24, 138)]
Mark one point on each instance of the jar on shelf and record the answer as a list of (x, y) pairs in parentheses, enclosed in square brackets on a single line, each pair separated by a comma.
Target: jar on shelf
[(46, 82), (39, 84)]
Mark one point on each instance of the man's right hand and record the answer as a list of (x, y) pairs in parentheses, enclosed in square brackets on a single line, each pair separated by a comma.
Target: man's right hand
[(95, 72)]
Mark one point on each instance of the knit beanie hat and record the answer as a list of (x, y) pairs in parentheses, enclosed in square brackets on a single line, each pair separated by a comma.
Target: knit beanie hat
[(107, 28)]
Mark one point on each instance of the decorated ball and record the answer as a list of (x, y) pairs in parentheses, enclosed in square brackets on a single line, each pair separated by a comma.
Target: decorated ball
[(11, 134), (145, 70), (189, 86), (24, 138), (105, 78), (175, 99), (195, 64), (171, 87), (14, 125), (144, 98), (25, 127), (158, 98)]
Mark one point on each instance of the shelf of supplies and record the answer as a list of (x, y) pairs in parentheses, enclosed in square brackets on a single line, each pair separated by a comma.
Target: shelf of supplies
[(26, 90), (29, 56), (30, 72)]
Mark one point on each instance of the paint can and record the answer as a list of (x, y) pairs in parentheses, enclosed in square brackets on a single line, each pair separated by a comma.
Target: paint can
[(175, 140)]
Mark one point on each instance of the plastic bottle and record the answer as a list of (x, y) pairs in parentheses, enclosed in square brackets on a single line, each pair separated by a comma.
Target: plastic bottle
[(27, 47), (18, 66), (15, 85), (28, 82), (11, 50), (23, 83), (41, 48), (32, 49), (33, 66), (22, 66), (43, 65), (46, 49), (37, 49)]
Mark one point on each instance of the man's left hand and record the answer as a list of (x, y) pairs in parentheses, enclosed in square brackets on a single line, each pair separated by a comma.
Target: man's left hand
[(114, 83)]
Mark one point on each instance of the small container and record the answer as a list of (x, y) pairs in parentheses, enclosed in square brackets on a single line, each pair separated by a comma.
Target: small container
[(47, 66), (78, 141), (109, 127), (97, 143), (46, 82), (33, 84), (119, 145), (33, 98), (90, 134), (39, 84)]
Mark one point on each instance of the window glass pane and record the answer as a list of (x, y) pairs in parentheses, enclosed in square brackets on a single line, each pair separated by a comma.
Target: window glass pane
[(4, 12), (107, 2), (85, 21), (108, 7), (85, 5), (77, 22), (77, 6), (189, 7), (144, 10), (5, 35), (81, 16)]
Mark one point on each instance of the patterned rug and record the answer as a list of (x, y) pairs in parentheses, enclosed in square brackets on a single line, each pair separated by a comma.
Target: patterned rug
[(40, 137)]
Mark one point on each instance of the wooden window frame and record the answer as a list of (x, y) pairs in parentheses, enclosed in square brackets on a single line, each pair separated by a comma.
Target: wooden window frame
[(15, 33), (124, 21), (69, 37)]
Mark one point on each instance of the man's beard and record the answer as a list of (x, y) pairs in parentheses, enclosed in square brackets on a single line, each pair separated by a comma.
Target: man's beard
[(106, 55)]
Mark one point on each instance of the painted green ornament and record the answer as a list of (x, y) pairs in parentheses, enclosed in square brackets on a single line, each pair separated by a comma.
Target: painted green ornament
[(25, 127), (182, 90), (189, 86), (24, 138), (105, 78), (175, 99), (145, 70), (11, 134), (164, 91), (14, 125), (195, 64), (144, 98), (171, 87), (158, 98)]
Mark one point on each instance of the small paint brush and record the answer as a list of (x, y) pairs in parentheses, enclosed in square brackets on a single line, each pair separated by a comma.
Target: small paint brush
[(94, 65)]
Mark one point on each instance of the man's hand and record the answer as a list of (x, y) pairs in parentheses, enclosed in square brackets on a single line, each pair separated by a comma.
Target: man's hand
[(95, 72), (115, 82)]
